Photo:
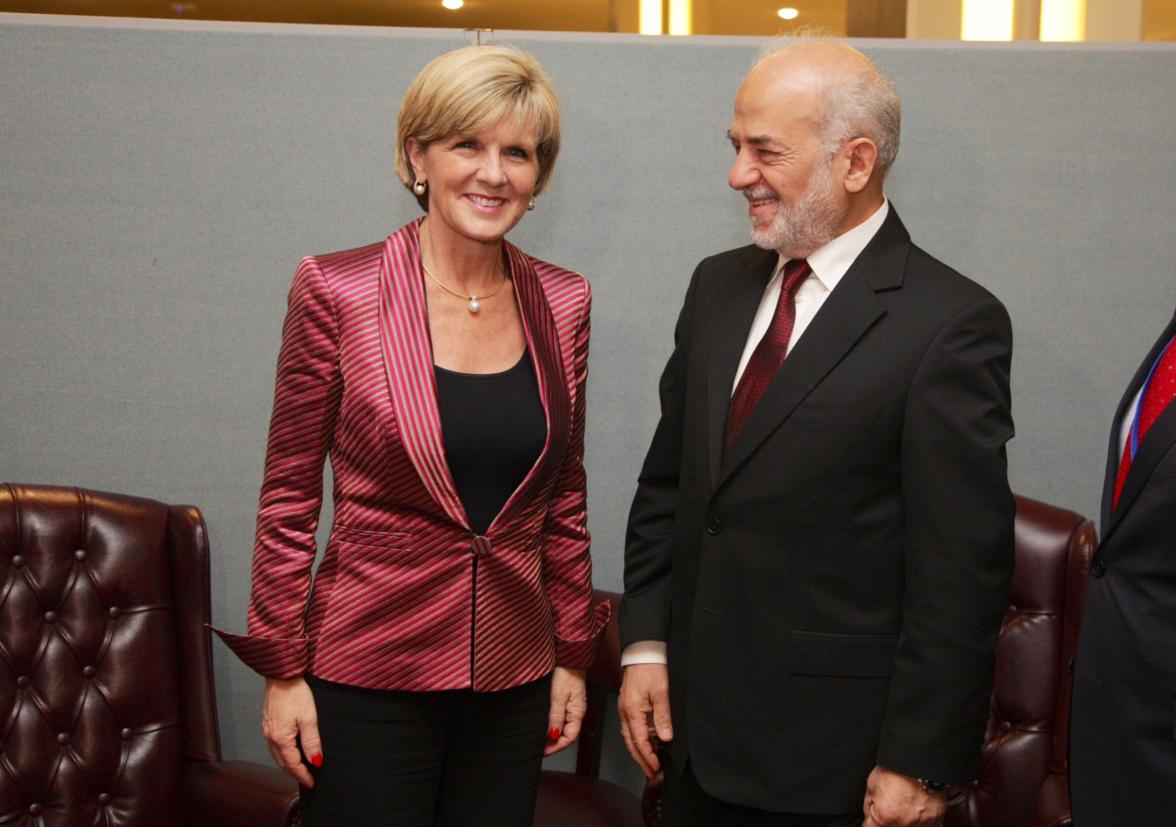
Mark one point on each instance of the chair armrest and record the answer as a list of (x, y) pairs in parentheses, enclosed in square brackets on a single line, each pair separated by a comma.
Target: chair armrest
[(1053, 802), (238, 794)]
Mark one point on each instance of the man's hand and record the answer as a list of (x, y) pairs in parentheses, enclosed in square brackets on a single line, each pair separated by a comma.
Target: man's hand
[(289, 719), (645, 695), (895, 800), (569, 702)]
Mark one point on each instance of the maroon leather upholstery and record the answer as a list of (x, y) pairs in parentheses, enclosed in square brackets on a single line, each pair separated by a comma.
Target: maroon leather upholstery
[(582, 799), (1023, 776), (107, 703)]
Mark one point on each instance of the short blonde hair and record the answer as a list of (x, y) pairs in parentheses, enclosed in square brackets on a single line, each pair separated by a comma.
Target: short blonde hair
[(470, 90)]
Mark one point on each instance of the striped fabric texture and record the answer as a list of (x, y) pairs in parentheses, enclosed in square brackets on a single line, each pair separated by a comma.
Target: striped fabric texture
[(393, 603)]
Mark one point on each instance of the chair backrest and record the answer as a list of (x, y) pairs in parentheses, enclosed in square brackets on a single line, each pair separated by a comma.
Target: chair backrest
[(1027, 732), (105, 669), (604, 678)]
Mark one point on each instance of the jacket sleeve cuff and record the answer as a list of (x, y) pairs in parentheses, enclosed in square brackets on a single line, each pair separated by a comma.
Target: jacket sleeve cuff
[(271, 657), (578, 654)]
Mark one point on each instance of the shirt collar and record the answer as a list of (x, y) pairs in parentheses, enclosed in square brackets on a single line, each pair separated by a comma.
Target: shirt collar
[(831, 262)]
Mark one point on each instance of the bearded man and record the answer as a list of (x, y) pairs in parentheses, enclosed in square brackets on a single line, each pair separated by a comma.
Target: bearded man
[(822, 537)]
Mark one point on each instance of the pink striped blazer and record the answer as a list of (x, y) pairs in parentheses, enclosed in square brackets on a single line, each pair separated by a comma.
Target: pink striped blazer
[(395, 603)]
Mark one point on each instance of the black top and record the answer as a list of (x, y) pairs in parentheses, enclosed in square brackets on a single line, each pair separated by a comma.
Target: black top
[(493, 427)]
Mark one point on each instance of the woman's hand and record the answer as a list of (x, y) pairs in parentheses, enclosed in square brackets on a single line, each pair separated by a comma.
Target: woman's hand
[(289, 719), (569, 702)]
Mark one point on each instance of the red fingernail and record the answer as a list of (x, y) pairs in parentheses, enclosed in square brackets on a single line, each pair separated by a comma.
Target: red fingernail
[(553, 734), (317, 759)]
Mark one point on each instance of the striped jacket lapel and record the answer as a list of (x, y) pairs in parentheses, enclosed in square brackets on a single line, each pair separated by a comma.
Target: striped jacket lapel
[(543, 345), (408, 363)]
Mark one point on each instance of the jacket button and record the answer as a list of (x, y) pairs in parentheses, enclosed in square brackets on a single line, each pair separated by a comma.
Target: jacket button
[(114, 611), (89, 672), (125, 733), (23, 682), (1098, 568), (50, 617), (80, 554), (17, 560), (35, 809), (714, 526), (63, 738), (104, 799)]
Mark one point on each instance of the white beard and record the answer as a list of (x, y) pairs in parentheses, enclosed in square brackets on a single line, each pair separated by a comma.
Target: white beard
[(810, 223)]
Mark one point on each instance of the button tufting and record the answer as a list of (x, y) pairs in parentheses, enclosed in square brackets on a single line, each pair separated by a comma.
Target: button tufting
[(114, 611), (35, 809), (50, 617), (63, 738), (89, 672), (104, 799), (80, 554), (125, 733), (17, 560), (22, 682)]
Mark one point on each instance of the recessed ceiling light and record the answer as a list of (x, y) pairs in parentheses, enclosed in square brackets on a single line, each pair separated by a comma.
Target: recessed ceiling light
[(787, 13), (452, 5)]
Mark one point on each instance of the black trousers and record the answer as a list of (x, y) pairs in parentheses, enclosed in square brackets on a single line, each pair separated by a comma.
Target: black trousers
[(427, 759), (686, 804)]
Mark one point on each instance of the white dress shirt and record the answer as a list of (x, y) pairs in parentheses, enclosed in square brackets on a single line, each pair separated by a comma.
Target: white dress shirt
[(829, 264)]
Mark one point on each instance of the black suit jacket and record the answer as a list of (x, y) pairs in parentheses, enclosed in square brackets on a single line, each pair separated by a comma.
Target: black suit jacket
[(1123, 725), (831, 593)]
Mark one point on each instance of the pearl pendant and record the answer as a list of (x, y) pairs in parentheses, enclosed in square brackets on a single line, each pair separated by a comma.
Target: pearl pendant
[(474, 306)]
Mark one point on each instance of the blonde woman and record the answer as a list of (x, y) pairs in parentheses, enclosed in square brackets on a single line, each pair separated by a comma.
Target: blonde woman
[(440, 652)]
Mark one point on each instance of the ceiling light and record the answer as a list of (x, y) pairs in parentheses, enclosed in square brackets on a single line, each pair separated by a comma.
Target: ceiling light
[(452, 5), (787, 13), (986, 20), (1063, 20)]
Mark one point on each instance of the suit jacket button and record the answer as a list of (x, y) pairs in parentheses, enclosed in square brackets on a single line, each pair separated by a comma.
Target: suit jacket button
[(1098, 568), (714, 526)]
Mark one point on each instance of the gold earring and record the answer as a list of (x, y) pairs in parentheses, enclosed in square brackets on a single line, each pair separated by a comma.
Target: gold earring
[(419, 188)]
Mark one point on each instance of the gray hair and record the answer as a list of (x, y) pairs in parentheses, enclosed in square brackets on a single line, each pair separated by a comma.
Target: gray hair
[(861, 104)]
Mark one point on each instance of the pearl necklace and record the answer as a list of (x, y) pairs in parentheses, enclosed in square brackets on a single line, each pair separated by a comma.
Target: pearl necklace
[(474, 305)]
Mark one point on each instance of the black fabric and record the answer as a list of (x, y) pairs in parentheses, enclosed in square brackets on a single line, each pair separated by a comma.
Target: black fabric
[(493, 427), (687, 804), (1123, 712), (456, 758)]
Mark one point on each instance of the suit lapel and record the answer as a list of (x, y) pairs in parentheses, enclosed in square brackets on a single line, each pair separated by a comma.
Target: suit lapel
[(730, 321), (1152, 447), (847, 313), (408, 363), (543, 346)]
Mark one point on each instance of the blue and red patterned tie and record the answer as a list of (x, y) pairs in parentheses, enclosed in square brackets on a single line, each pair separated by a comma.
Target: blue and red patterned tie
[(768, 355), (1158, 391)]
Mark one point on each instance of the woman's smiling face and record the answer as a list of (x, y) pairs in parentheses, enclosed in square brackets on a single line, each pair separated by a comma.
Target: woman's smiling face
[(479, 185)]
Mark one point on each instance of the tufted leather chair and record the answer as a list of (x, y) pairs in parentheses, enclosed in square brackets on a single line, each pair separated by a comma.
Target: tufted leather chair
[(582, 799), (1023, 776), (107, 704)]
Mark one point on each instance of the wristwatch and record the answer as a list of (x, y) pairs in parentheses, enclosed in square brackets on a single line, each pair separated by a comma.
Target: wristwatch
[(933, 787)]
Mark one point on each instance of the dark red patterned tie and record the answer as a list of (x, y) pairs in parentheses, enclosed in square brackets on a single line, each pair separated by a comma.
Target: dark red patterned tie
[(768, 355), (1160, 390)]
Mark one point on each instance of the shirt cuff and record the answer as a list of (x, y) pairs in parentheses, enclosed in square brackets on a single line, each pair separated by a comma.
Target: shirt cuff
[(644, 651), (271, 657)]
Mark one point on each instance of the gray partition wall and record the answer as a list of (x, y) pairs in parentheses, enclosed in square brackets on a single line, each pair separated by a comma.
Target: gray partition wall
[(159, 182)]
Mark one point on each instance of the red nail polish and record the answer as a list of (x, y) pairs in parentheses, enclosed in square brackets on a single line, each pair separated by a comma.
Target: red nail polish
[(317, 759), (553, 734)]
